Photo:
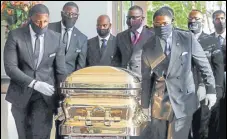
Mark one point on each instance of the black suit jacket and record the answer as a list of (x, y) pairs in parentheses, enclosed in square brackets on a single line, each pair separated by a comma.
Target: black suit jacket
[(20, 67), (223, 47), (77, 51), (179, 79), (94, 56), (124, 46), (214, 54)]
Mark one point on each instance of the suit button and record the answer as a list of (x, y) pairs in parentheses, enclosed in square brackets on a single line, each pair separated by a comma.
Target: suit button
[(178, 77)]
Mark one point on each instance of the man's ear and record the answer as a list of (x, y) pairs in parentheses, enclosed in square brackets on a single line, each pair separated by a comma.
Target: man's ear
[(110, 25)]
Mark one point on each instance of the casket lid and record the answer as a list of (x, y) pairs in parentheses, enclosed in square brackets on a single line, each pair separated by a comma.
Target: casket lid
[(102, 77)]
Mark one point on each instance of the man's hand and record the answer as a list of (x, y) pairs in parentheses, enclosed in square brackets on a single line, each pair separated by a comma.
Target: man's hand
[(44, 88), (210, 100)]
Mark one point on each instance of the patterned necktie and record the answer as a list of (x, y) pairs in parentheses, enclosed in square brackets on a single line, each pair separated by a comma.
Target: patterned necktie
[(103, 46), (135, 37), (65, 39), (220, 39), (37, 50)]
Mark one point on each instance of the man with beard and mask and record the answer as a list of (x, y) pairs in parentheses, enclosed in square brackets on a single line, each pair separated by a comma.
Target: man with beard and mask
[(213, 52), (219, 21), (167, 79), (102, 47), (75, 41), (129, 43), (35, 64)]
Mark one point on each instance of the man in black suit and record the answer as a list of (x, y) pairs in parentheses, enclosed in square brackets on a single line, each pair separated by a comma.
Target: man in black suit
[(219, 21), (129, 43), (102, 47), (75, 41), (167, 79), (35, 62), (214, 54)]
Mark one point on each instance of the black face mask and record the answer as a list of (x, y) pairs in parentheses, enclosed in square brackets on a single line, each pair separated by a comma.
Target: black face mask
[(220, 27), (195, 27), (37, 29), (103, 32), (163, 31), (134, 24), (68, 22)]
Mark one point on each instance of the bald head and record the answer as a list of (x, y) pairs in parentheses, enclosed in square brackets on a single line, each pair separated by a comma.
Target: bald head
[(103, 25), (103, 22), (105, 18)]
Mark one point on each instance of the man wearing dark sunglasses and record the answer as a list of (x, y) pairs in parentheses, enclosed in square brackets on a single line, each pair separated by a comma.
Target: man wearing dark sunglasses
[(213, 52), (74, 41), (129, 42)]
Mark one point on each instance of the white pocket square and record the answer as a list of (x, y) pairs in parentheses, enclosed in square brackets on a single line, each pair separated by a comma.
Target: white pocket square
[(184, 53), (52, 54)]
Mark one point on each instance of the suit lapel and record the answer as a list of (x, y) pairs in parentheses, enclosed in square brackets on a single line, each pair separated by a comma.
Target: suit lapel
[(27, 37), (127, 40), (73, 41), (175, 51), (97, 53)]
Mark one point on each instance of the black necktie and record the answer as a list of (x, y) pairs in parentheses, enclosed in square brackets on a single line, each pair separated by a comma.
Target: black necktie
[(37, 50), (103, 46), (65, 39)]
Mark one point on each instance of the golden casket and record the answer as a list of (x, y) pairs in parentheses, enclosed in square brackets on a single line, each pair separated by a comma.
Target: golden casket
[(101, 101)]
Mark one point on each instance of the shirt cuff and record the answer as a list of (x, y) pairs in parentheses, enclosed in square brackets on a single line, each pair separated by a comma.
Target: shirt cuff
[(31, 84)]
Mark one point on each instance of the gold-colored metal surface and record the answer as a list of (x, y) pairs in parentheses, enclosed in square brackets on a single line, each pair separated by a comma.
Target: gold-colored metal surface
[(101, 101)]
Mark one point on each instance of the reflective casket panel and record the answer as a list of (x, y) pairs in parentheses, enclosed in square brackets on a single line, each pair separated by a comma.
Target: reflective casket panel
[(101, 101)]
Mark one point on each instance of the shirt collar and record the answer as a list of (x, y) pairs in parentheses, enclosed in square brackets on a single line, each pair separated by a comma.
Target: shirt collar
[(107, 37), (63, 27), (139, 30), (33, 32), (223, 34), (169, 39)]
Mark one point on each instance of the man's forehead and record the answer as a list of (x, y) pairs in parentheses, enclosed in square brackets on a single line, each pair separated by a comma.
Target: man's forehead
[(163, 18), (70, 8), (41, 15), (195, 14), (103, 19), (135, 12), (219, 15)]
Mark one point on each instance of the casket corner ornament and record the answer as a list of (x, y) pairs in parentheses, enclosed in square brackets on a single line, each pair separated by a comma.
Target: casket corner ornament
[(101, 101)]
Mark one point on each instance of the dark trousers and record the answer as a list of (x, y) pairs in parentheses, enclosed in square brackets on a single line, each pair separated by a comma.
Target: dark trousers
[(162, 129), (200, 122), (35, 121), (57, 133)]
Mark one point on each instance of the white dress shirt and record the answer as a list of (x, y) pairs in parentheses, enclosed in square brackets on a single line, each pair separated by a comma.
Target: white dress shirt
[(100, 39), (69, 33)]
